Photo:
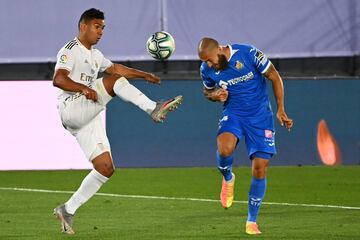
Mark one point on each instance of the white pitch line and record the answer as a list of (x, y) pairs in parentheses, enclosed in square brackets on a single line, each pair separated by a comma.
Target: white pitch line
[(179, 198)]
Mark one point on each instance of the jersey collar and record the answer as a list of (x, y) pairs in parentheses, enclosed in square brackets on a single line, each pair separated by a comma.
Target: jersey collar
[(80, 44), (232, 51)]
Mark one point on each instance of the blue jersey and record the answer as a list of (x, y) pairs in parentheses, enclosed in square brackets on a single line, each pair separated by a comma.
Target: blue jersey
[(243, 79)]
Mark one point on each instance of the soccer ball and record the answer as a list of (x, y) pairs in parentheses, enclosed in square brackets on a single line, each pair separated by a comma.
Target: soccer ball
[(160, 45)]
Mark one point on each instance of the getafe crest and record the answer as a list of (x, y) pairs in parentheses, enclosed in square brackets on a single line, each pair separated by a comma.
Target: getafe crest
[(239, 65)]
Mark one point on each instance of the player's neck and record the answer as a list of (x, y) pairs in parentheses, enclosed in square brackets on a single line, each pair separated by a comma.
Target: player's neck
[(84, 43), (226, 51)]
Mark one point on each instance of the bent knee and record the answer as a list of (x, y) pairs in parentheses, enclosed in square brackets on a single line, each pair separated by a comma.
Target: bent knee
[(106, 170), (225, 150), (103, 161), (109, 171), (226, 143)]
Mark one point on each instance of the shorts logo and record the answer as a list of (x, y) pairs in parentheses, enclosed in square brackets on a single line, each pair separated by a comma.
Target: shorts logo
[(268, 134), (225, 118), (63, 58)]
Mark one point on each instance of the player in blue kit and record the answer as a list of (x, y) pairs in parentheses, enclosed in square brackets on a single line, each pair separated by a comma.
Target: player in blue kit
[(236, 75)]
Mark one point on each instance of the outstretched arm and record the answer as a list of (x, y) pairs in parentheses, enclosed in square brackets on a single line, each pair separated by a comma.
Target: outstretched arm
[(278, 88), (131, 73)]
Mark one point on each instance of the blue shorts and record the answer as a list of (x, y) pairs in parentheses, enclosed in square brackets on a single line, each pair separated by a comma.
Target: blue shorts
[(259, 132)]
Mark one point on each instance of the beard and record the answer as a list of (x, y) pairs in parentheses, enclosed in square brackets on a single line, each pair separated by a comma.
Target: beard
[(223, 63)]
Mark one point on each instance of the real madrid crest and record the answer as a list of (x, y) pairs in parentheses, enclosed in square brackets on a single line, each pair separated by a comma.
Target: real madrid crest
[(239, 65)]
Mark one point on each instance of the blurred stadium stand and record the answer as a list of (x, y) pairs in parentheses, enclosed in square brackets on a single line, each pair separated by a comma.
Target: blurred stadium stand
[(320, 38), (310, 67)]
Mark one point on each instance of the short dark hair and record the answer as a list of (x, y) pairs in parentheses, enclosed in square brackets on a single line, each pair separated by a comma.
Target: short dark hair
[(91, 14)]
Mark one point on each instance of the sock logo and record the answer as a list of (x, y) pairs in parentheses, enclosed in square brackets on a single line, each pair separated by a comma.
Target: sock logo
[(255, 201)]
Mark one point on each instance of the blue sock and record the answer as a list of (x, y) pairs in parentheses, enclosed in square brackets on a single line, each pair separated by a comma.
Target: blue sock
[(256, 195), (225, 165)]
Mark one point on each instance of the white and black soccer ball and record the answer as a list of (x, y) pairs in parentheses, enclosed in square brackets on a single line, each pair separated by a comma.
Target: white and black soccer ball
[(160, 45)]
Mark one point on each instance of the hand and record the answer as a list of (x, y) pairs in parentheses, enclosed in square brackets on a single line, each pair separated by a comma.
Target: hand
[(90, 93), (284, 120), (220, 95), (152, 78)]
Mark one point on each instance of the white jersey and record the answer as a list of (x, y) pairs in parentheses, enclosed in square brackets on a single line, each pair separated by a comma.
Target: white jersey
[(82, 63)]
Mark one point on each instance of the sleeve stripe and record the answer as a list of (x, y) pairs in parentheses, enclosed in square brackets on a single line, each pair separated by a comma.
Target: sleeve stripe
[(71, 44), (207, 86), (266, 68)]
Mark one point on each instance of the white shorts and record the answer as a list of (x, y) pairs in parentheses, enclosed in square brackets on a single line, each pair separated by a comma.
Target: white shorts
[(80, 116)]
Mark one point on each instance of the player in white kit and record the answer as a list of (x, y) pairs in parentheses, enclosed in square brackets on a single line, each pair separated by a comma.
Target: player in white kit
[(82, 96)]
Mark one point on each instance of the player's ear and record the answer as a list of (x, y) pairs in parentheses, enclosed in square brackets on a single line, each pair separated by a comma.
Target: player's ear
[(82, 27)]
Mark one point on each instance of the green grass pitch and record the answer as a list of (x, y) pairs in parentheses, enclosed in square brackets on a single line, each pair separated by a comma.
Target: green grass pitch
[(28, 215)]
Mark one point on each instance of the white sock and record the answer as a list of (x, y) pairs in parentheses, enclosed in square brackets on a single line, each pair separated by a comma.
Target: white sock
[(127, 92), (89, 186)]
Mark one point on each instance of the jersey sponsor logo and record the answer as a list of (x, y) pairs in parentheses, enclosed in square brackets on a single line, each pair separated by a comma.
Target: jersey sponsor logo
[(86, 78), (63, 59), (243, 78), (223, 84), (239, 65)]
